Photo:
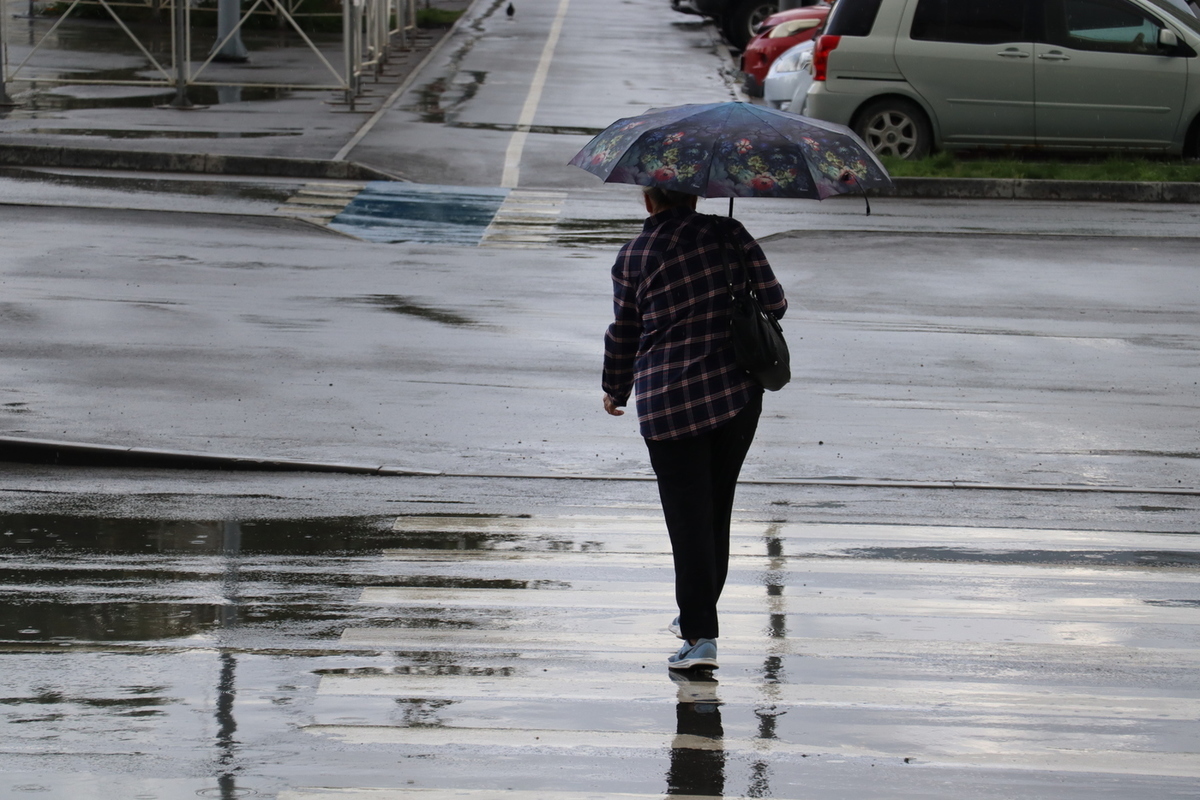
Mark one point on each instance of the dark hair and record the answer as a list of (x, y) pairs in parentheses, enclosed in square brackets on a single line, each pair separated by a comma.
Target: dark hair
[(667, 198)]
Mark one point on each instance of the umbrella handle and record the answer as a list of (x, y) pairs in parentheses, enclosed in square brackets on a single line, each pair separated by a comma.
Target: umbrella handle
[(845, 177), (731, 207)]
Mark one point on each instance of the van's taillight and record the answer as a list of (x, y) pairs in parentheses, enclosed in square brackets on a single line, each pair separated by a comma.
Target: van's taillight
[(825, 45)]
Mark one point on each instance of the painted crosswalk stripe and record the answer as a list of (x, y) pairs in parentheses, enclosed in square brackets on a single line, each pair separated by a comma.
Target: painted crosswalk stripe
[(320, 202), (527, 218)]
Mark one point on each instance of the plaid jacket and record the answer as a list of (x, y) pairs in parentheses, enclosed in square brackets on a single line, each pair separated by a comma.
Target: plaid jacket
[(670, 338)]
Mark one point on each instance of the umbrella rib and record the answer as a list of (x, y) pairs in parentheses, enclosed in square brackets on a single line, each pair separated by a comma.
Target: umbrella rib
[(767, 115), (769, 121), (712, 156)]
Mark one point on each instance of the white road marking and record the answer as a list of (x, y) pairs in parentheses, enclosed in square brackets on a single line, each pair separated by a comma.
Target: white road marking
[(516, 145)]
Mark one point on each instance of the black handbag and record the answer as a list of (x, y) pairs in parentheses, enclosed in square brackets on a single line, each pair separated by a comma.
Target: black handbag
[(758, 343)]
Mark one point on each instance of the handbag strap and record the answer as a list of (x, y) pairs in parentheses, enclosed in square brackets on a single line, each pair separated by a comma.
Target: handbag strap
[(725, 245)]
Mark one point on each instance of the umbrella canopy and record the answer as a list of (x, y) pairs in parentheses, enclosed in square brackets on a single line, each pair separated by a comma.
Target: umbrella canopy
[(733, 150)]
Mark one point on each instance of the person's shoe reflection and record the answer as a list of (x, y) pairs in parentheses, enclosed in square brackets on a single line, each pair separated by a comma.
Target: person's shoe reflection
[(698, 752)]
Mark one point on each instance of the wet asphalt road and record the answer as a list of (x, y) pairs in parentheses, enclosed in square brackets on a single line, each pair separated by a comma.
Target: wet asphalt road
[(495, 630)]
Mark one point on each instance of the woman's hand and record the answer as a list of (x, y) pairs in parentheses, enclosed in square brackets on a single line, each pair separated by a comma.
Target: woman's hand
[(610, 405)]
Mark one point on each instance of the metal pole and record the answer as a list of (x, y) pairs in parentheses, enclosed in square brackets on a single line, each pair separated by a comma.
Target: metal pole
[(229, 14), (5, 100), (180, 19), (348, 47)]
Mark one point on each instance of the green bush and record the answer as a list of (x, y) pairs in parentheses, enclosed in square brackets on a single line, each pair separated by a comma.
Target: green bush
[(436, 17)]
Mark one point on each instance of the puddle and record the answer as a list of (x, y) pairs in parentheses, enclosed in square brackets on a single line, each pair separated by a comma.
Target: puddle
[(1155, 509), (34, 100), (152, 134), (1097, 558), (99, 50), (73, 580), (558, 130), (596, 232), (65, 622), (429, 101), (20, 534), (399, 304), (243, 191), (1146, 453)]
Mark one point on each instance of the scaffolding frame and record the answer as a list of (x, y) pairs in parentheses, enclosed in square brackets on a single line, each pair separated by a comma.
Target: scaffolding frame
[(371, 31)]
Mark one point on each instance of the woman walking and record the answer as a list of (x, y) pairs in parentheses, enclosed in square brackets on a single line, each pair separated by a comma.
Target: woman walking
[(698, 411)]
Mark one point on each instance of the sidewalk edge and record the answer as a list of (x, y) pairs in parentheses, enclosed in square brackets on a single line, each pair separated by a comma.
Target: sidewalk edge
[(81, 454), (33, 155)]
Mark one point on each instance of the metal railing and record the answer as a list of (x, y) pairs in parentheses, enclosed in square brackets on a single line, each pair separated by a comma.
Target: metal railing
[(371, 31)]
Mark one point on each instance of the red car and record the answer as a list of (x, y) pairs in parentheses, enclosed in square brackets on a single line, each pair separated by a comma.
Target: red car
[(778, 33)]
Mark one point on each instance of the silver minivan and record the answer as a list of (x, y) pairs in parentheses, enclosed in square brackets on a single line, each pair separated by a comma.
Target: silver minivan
[(912, 75)]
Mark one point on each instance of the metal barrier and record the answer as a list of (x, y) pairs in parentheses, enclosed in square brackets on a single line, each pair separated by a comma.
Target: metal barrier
[(371, 31)]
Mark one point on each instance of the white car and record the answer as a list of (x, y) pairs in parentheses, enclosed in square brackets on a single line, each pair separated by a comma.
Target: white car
[(788, 79)]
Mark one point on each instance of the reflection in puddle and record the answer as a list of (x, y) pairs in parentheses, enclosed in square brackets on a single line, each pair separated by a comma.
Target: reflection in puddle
[(66, 621), (697, 765), (71, 580)]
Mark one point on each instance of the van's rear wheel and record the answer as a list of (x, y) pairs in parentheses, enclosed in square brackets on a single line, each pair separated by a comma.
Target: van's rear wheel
[(895, 127)]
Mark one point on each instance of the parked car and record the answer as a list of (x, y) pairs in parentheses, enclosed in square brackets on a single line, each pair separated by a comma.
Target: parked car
[(789, 77), (913, 75), (738, 19), (777, 34)]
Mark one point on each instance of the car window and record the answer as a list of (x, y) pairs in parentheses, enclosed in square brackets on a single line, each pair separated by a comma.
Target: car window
[(1182, 17), (852, 18), (1110, 26), (971, 21)]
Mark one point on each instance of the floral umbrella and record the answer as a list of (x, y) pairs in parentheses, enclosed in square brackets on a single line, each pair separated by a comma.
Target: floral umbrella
[(733, 150)]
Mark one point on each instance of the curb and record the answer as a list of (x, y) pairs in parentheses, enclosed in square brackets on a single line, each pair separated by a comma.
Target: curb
[(1022, 189), (80, 454), (26, 155), (32, 155)]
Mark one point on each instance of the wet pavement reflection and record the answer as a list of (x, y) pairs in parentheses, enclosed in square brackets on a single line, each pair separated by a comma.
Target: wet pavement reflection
[(303, 658)]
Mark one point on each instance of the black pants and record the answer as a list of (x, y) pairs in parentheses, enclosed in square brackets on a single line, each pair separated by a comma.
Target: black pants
[(697, 478)]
